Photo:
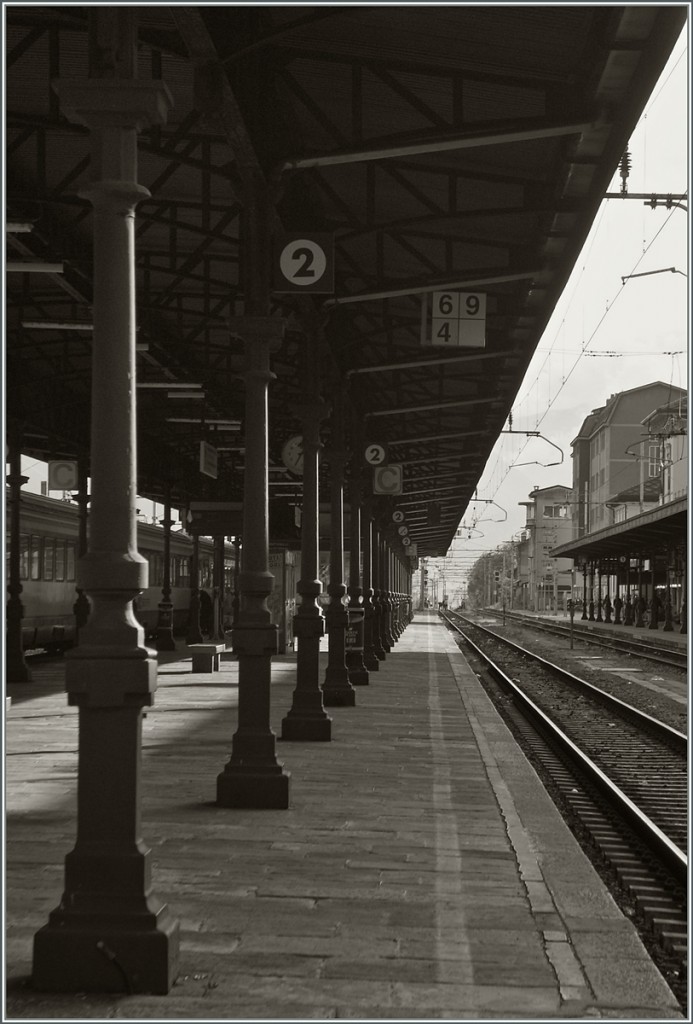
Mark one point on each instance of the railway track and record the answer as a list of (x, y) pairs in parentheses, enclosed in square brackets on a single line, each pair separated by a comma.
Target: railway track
[(620, 774), (657, 652)]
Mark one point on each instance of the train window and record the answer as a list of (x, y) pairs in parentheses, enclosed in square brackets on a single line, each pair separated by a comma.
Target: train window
[(206, 568), (48, 558), (70, 561), (59, 561), (35, 557), (184, 571), (23, 556)]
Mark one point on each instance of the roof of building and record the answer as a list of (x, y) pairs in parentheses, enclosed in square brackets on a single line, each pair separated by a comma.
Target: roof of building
[(601, 415)]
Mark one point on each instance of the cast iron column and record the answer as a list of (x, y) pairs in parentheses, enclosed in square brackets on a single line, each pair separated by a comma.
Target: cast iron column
[(370, 659), (337, 691), (81, 605), (378, 611), (253, 777), (16, 668), (600, 617), (109, 926), (218, 612), (358, 673), (388, 638), (236, 572), (194, 634), (164, 626), (307, 718)]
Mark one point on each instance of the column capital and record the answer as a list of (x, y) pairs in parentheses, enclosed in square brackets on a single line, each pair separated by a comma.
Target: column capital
[(114, 102)]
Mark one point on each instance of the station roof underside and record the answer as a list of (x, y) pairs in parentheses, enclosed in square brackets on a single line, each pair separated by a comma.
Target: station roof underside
[(649, 532), (452, 148)]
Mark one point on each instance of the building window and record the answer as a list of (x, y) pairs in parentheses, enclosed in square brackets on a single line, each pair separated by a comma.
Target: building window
[(653, 460), (555, 512)]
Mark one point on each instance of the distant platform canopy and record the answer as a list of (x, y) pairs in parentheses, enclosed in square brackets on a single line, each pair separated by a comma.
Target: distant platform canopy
[(654, 530)]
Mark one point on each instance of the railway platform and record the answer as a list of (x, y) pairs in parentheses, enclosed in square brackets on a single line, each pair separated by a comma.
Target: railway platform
[(674, 638), (421, 871)]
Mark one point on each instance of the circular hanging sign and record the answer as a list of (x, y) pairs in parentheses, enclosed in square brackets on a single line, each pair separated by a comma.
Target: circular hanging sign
[(375, 454), (402, 531), (397, 516), (305, 263)]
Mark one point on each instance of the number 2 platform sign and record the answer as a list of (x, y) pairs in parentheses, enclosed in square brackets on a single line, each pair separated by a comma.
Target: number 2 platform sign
[(304, 263), (458, 320)]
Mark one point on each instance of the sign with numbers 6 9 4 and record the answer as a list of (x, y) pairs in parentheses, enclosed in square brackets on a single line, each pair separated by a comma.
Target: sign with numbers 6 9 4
[(304, 263), (458, 319)]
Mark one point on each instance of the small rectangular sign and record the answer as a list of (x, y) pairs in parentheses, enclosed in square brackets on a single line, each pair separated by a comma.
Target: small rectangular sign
[(458, 320), (209, 459), (353, 635)]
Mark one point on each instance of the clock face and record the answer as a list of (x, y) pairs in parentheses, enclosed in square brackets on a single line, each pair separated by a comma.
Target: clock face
[(292, 455)]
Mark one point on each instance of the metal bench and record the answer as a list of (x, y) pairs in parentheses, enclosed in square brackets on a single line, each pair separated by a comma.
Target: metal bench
[(205, 657)]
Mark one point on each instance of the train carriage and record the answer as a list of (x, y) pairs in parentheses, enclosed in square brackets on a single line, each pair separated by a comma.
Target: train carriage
[(48, 552)]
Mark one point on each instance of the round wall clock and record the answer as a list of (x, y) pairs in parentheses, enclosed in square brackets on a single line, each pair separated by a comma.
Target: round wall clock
[(292, 455)]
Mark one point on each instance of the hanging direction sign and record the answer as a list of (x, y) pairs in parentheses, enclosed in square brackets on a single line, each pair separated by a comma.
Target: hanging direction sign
[(458, 320), (215, 518)]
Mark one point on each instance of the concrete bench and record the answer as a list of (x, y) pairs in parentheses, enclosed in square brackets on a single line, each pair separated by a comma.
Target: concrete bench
[(205, 657)]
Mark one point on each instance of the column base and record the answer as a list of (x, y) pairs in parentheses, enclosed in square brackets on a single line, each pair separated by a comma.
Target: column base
[(339, 696), (371, 662), (243, 787), (307, 727), (99, 954)]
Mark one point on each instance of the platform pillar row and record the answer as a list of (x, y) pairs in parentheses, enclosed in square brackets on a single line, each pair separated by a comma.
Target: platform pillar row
[(110, 932)]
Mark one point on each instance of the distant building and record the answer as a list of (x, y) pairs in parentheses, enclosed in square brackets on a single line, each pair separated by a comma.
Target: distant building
[(616, 460), (665, 450), (548, 580)]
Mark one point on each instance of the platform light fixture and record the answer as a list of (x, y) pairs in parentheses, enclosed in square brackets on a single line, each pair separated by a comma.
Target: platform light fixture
[(166, 385), (33, 267), (57, 325), (230, 424)]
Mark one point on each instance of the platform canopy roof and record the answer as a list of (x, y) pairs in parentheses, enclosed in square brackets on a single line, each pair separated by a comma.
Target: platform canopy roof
[(646, 534), (443, 149)]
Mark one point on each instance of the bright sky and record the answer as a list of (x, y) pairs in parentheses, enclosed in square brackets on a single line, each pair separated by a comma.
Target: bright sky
[(604, 336)]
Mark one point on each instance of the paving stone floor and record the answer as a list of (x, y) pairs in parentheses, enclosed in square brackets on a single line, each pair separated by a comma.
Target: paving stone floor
[(420, 872)]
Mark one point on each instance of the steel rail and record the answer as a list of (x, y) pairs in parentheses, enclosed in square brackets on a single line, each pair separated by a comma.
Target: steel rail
[(667, 851)]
